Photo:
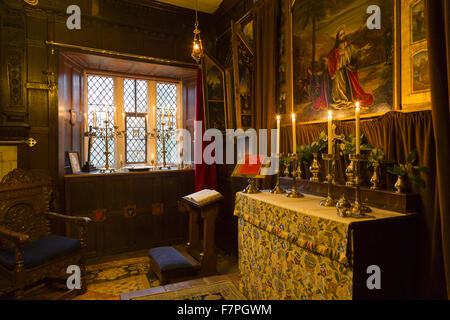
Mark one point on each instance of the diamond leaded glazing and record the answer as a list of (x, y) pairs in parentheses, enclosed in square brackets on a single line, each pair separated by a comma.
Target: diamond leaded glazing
[(100, 101)]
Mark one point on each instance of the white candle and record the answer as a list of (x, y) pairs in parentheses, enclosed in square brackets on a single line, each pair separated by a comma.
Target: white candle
[(168, 116), (278, 135), (95, 120), (146, 121), (330, 132), (294, 135), (357, 133)]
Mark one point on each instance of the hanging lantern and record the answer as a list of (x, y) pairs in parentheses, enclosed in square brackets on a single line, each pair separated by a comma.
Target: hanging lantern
[(197, 47)]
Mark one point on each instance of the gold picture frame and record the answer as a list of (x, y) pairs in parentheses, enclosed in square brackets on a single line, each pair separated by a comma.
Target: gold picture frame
[(415, 94)]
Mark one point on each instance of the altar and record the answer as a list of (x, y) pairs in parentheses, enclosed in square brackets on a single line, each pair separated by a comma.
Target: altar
[(297, 249)]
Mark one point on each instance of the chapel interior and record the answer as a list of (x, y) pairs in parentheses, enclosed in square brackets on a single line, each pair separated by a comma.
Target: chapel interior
[(224, 149)]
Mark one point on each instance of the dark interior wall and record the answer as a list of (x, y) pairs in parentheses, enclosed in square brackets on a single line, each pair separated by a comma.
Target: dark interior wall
[(28, 107)]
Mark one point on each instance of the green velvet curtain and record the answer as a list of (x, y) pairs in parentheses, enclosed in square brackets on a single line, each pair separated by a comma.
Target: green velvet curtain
[(438, 35), (266, 15), (399, 133)]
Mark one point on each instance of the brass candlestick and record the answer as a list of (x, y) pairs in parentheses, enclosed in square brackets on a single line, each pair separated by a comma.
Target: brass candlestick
[(358, 210), (315, 169), (329, 159), (277, 189), (163, 135), (295, 173), (107, 133), (88, 166)]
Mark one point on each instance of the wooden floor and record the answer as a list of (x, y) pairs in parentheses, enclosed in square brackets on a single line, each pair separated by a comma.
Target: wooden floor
[(233, 277)]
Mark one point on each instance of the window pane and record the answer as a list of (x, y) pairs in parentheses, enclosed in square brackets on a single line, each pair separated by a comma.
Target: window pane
[(141, 96), (136, 143), (129, 101), (166, 102), (100, 99)]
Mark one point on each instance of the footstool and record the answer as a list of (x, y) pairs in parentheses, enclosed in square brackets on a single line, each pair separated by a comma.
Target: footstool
[(168, 264)]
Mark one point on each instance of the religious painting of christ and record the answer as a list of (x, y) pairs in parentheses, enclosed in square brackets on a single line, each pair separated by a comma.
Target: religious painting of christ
[(339, 61)]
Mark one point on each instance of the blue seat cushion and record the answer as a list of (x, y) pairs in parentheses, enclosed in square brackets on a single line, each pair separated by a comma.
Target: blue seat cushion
[(168, 258), (40, 251)]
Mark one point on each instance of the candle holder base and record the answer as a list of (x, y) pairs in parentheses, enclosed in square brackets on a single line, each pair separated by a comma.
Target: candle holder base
[(294, 194), (107, 170), (277, 190), (251, 188), (359, 210), (328, 202)]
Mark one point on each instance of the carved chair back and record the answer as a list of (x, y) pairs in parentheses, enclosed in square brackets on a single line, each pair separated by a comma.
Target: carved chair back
[(24, 198)]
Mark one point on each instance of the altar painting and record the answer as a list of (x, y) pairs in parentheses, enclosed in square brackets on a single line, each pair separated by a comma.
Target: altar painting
[(339, 61)]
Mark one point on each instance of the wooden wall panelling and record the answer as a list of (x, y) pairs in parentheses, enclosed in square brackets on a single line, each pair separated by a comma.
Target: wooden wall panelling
[(149, 228)]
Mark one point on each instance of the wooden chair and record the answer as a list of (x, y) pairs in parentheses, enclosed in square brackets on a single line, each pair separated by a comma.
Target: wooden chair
[(29, 252)]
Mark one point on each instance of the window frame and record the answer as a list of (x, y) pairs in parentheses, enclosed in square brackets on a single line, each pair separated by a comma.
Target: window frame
[(120, 158)]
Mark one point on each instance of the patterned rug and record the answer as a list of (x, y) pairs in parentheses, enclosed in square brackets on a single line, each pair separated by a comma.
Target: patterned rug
[(107, 281), (224, 290)]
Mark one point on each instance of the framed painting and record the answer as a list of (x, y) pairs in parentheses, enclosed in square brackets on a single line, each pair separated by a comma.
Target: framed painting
[(415, 84), (216, 114), (418, 28), (74, 160), (338, 61), (244, 68)]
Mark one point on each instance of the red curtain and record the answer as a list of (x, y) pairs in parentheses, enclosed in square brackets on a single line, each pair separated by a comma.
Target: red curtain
[(205, 175)]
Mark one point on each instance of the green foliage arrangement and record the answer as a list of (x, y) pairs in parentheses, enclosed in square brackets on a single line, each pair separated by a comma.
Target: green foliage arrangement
[(410, 170), (304, 154), (319, 144), (377, 155), (348, 146)]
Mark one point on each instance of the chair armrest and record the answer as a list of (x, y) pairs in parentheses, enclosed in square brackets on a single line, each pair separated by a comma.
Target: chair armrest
[(13, 236), (78, 220)]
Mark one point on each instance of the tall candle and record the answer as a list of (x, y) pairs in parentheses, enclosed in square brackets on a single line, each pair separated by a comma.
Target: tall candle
[(330, 132), (86, 124), (146, 120), (357, 133), (294, 135), (278, 134), (95, 120), (168, 116), (106, 117)]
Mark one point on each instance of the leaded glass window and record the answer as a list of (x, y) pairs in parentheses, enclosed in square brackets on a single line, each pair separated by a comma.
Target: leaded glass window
[(100, 100), (166, 103), (135, 107)]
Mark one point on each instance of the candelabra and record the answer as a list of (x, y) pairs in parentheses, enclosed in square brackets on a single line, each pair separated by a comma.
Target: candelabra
[(107, 133), (278, 189), (163, 135), (296, 172), (358, 210)]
